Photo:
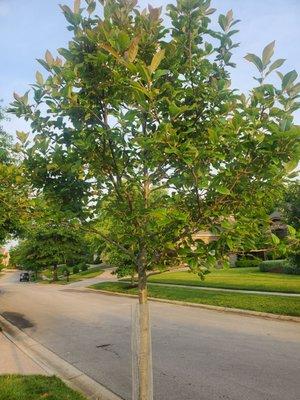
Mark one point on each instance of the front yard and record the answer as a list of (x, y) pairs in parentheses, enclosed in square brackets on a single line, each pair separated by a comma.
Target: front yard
[(255, 302), (234, 278), (80, 276)]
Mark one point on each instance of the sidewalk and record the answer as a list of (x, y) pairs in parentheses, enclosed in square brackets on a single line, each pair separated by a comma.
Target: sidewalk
[(14, 361), (244, 291)]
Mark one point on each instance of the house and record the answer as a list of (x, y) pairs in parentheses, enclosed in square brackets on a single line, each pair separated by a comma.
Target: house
[(278, 226)]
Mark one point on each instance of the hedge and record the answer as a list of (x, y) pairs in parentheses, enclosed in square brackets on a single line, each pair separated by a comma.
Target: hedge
[(247, 263), (282, 266)]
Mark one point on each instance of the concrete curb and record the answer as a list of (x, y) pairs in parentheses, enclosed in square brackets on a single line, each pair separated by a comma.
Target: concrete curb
[(52, 364), (277, 317)]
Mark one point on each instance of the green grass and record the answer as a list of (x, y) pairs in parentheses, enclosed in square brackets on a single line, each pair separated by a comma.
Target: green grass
[(255, 302), (234, 278), (90, 273), (49, 271), (35, 387)]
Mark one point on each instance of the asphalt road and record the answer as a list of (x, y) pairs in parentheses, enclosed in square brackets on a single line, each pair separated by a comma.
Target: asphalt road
[(197, 354)]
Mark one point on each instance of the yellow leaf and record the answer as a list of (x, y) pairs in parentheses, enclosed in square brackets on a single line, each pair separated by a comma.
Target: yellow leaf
[(110, 50), (39, 78), (77, 6), (49, 58), (132, 51), (156, 60)]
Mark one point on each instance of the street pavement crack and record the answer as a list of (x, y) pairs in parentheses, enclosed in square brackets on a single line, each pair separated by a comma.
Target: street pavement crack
[(107, 347)]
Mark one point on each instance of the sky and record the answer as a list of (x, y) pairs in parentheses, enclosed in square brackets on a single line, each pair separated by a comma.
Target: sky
[(29, 27)]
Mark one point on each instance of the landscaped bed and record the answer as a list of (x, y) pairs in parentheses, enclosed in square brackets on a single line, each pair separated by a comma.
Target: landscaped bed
[(234, 278), (274, 304), (35, 387)]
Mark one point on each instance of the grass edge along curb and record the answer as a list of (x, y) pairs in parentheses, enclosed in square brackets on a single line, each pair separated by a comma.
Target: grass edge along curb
[(14, 383), (239, 311), (52, 364)]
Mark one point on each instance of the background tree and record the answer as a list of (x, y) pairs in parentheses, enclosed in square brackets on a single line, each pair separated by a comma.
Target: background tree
[(137, 107), (290, 209), (48, 246), (14, 202), (291, 205)]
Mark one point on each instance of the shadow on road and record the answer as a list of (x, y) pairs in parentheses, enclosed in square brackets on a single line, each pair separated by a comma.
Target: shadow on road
[(17, 319)]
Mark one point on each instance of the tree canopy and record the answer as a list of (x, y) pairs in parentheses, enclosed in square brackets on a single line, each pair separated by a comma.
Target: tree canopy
[(134, 107), (13, 188)]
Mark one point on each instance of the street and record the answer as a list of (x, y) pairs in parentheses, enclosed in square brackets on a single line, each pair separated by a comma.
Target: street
[(198, 354)]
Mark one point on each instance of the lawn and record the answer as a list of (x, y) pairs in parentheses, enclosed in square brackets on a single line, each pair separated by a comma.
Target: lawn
[(90, 273), (255, 302), (35, 387), (234, 278)]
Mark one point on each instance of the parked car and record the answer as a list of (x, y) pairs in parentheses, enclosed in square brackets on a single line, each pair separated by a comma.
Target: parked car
[(24, 277)]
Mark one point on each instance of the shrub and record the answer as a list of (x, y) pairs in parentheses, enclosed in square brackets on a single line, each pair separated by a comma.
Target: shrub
[(293, 268), (83, 267), (295, 259), (247, 263), (273, 266), (75, 269)]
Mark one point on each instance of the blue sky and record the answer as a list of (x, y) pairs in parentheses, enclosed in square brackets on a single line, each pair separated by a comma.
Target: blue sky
[(29, 27)]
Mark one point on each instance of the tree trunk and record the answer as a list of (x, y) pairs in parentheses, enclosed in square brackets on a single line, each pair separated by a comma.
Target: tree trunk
[(55, 276), (144, 356)]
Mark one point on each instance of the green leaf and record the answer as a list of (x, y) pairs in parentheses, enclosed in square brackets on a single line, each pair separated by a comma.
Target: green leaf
[(255, 60), (223, 190), (123, 41), (291, 165), (230, 243), (210, 11), (280, 75), (22, 136), (24, 98), (268, 53), (91, 7), (66, 9), (276, 64), (39, 78), (291, 230), (144, 71), (286, 123), (222, 22), (174, 109), (275, 239), (295, 89), (226, 224), (288, 79), (156, 60), (160, 72), (44, 64)]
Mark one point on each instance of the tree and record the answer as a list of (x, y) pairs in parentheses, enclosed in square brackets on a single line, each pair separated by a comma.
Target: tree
[(138, 108), (14, 203), (290, 209), (49, 245), (291, 205)]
